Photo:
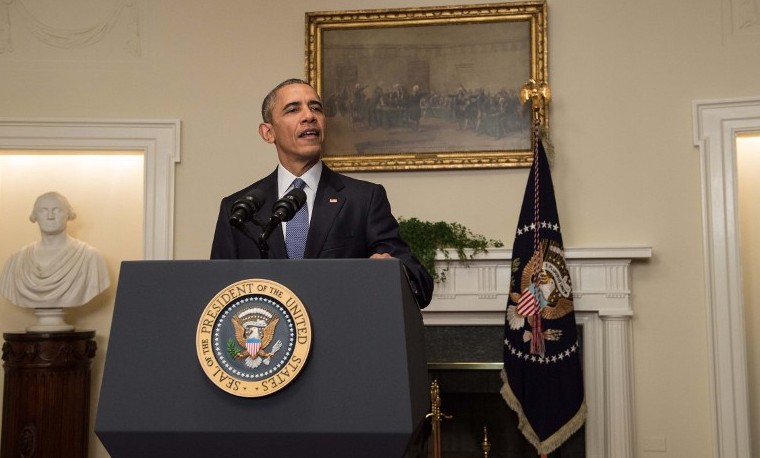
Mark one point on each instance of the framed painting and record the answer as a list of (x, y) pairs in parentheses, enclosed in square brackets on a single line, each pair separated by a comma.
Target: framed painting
[(427, 88)]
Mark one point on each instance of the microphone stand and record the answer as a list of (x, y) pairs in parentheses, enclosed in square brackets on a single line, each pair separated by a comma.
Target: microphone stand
[(260, 242), (263, 248)]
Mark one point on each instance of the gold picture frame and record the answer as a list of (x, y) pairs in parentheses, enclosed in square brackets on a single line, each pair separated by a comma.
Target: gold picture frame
[(468, 64)]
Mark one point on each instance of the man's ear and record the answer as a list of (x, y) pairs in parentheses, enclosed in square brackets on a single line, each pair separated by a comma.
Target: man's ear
[(267, 132)]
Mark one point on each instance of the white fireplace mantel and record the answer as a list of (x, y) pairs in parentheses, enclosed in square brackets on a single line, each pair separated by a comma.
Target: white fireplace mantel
[(475, 294)]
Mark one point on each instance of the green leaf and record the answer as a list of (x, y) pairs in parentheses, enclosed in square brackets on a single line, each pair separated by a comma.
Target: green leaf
[(232, 348), (426, 238)]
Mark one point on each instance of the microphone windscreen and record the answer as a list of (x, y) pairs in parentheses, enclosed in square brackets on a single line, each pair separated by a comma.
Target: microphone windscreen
[(256, 198), (244, 208), (289, 204)]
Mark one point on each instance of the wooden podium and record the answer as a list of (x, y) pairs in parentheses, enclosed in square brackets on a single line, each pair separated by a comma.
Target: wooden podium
[(46, 400)]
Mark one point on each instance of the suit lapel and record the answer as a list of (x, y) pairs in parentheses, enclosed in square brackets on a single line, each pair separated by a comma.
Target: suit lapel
[(327, 205)]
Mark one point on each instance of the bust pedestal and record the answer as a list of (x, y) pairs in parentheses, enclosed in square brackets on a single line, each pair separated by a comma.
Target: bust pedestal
[(46, 400)]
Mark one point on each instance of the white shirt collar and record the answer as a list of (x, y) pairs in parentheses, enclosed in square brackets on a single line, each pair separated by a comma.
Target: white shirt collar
[(311, 177)]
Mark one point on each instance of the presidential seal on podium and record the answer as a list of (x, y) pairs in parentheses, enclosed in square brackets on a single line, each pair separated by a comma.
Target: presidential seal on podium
[(253, 338)]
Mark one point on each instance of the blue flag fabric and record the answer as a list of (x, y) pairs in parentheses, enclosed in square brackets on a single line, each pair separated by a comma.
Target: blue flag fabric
[(543, 379)]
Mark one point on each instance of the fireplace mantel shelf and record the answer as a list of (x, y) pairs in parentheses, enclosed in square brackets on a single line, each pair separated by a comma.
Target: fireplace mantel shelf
[(475, 294)]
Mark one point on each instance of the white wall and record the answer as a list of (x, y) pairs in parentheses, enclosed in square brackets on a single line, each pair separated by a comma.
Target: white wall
[(623, 76)]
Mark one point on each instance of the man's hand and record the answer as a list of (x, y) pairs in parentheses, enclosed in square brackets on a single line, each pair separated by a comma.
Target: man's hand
[(381, 256)]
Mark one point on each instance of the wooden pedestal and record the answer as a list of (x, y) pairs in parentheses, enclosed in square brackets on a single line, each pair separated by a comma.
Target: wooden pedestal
[(46, 400)]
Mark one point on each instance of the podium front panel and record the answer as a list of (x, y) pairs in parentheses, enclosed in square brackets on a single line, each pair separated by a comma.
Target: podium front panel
[(363, 391)]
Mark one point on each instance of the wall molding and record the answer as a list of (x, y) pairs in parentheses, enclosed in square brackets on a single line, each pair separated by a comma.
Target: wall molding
[(716, 125)]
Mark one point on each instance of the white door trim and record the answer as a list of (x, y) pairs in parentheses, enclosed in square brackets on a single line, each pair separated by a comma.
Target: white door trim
[(716, 125)]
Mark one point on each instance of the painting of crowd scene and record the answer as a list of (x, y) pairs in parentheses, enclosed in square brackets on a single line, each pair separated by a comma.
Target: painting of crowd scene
[(427, 89), (373, 119)]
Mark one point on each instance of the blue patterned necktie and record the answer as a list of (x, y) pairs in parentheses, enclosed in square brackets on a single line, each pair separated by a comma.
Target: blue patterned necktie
[(297, 228)]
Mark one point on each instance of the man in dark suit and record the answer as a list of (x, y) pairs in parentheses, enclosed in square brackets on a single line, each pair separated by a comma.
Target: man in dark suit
[(348, 218)]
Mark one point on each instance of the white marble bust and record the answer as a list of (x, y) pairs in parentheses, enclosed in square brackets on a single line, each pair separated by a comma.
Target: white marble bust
[(58, 271)]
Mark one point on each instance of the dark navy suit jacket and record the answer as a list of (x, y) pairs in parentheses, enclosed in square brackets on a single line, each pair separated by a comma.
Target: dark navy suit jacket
[(351, 219)]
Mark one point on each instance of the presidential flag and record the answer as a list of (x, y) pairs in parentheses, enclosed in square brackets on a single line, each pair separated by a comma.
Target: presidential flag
[(542, 375)]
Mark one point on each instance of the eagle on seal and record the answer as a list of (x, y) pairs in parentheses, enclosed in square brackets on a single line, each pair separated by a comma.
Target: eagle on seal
[(262, 334)]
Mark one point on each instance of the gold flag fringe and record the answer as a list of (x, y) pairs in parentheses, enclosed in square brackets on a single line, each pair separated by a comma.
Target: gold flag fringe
[(555, 440)]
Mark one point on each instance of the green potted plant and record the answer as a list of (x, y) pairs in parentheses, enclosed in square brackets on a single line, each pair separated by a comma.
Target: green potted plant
[(426, 238)]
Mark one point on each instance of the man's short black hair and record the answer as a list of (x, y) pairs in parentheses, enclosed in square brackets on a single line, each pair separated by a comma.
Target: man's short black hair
[(268, 104)]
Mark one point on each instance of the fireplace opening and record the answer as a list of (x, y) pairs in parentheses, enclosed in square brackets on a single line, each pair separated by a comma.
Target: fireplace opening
[(466, 363)]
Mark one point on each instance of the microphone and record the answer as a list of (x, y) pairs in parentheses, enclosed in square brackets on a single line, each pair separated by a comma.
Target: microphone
[(244, 208), (284, 209)]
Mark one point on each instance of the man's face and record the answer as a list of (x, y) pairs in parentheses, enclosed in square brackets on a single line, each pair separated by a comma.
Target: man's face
[(297, 127), (52, 215)]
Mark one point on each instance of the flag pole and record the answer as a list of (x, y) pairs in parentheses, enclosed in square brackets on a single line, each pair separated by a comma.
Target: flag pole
[(539, 94)]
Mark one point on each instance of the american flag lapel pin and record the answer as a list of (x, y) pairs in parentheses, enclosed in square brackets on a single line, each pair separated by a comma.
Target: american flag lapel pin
[(333, 200)]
